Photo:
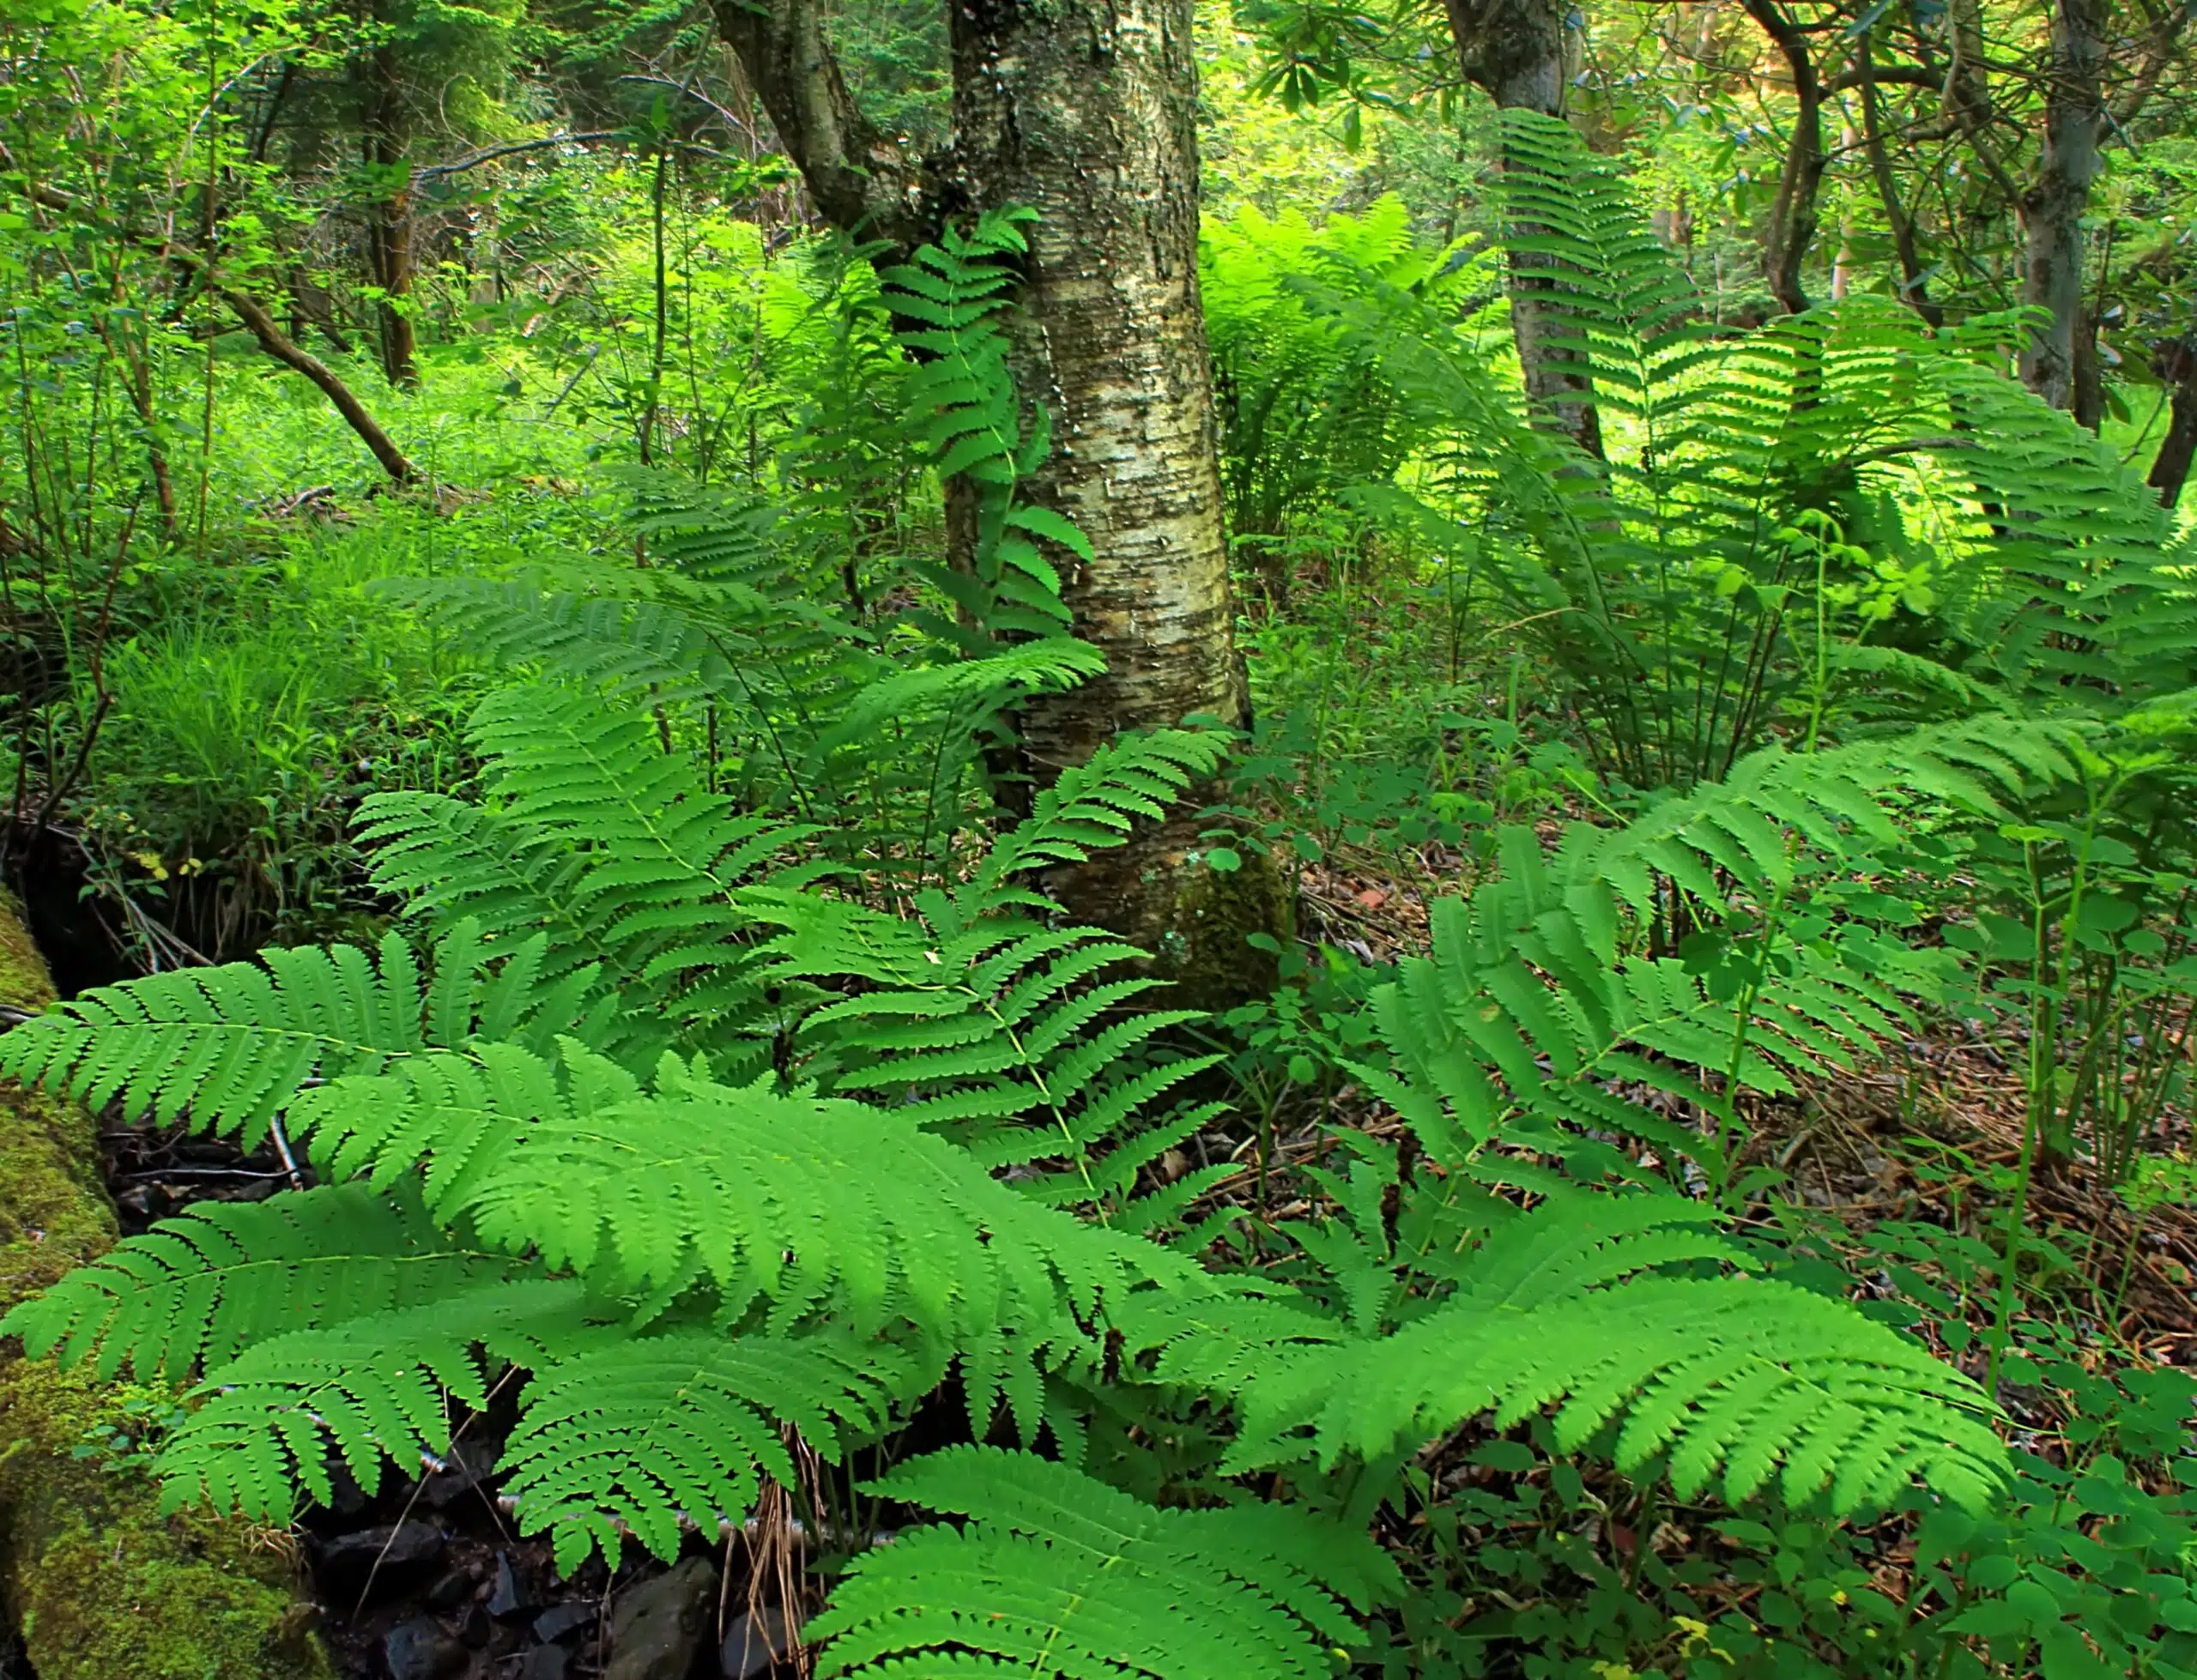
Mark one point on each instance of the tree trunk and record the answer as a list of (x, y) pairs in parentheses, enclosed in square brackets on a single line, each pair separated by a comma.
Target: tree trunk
[(1792, 213), (1084, 110), (388, 234), (2177, 363), (2052, 207), (1513, 51)]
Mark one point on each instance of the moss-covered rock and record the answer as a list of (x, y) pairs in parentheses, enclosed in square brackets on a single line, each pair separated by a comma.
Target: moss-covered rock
[(1208, 952), (100, 1584)]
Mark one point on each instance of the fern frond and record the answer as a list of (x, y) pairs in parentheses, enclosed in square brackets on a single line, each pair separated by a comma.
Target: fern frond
[(676, 1428), (203, 1287), (228, 1046), (1569, 1306), (375, 1389), (1057, 1575)]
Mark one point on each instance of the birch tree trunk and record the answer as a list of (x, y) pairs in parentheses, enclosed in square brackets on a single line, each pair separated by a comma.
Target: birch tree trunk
[(1084, 110)]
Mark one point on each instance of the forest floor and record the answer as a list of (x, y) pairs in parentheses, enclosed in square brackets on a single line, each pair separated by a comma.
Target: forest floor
[(427, 1579)]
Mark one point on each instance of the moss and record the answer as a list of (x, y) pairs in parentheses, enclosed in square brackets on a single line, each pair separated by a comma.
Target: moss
[(103, 1584), (1207, 953), (24, 981)]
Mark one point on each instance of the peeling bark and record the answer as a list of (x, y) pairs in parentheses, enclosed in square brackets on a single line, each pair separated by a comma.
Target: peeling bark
[(1084, 110)]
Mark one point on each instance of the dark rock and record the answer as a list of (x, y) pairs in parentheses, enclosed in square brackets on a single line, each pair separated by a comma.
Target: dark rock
[(470, 1463), (751, 1644), (559, 1620), (393, 1559), (660, 1624), (545, 1662), (507, 1598), (476, 1628), (421, 1650), (452, 1591)]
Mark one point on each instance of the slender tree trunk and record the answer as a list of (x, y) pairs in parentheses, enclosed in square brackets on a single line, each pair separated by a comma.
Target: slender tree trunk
[(1792, 213), (1513, 51), (1913, 287), (2052, 207), (2171, 467), (388, 234), (1084, 110)]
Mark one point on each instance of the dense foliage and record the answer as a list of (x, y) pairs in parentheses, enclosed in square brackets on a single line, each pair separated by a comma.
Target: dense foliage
[(467, 533)]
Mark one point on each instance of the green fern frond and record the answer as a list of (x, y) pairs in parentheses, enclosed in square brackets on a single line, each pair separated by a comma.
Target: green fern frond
[(205, 1285), (1056, 1575), (595, 836), (1092, 806), (676, 1428), (1570, 1306), (228, 1046), (374, 1389), (802, 1207)]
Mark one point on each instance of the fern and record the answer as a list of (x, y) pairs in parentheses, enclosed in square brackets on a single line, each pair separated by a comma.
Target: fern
[(230, 1045), (372, 1389), (1570, 1306), (199, 1288), (593, 837), (645, 1436), (1057, 1573), (1006, 1037), (1738, 562), (1529, 1005)]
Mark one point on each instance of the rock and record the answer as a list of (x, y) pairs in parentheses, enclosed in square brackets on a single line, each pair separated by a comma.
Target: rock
[(421, 1650), (471, 1463), (506, 1599), (660, 1624), (559, 1620), (545, 1662), (452, 1590), (751, 1644), (101, 1582), (391, 1559)]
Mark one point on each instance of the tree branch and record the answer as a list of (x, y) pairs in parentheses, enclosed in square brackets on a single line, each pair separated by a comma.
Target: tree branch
[(272, 339), (860, 179), (1792, 213)]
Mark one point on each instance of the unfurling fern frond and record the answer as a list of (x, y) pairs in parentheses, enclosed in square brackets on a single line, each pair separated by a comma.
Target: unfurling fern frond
[(677, 1427), (1567, 1306), (204, 1286), (1054, 1575)]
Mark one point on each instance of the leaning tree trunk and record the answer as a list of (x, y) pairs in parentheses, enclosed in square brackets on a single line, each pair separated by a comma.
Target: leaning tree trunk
[(2176, 363), (1084, 110), (2052, 208), (1513, 51)]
